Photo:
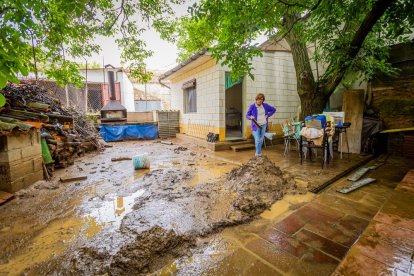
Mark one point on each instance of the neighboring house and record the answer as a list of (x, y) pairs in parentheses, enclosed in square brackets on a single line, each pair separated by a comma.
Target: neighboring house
[(209, 101), (97, 86), (124, 90), (153, 95)]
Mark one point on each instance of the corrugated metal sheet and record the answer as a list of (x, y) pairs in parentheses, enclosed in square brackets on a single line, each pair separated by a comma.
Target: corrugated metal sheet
[(143, 106), (8, 125), (168, 123)]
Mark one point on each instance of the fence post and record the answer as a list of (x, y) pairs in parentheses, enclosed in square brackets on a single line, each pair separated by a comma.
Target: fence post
[(67, 95), (86, 97)]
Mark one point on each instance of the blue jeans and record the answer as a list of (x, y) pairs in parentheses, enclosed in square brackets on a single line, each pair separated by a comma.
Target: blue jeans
[(258, 139)]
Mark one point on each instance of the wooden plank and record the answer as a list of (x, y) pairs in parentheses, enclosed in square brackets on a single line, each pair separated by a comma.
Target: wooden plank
[(73, 178), (5, 195), (353, 106), (242, 147), (116, 159), (356, 185)]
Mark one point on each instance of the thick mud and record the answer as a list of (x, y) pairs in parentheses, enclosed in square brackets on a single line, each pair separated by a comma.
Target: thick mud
[(169, 217)]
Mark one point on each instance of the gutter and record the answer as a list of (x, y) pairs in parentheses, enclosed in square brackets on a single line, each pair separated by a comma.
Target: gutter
[(163, 84), (184, 63)]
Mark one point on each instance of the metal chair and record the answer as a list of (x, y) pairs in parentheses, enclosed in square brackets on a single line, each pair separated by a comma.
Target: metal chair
[(308, 144), (290, 134)]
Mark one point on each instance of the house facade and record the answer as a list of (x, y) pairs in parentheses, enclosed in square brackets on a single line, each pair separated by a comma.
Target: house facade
[(124, 90), (209, 101), (152, 95)]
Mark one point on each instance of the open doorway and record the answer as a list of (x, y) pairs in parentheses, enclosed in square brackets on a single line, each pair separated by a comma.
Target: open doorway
[(234, 108)]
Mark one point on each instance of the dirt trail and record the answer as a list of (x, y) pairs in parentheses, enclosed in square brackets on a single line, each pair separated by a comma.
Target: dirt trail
[(169, 217)]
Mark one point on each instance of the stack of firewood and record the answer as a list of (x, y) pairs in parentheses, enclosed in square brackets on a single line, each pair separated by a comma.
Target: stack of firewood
[(67, 131)]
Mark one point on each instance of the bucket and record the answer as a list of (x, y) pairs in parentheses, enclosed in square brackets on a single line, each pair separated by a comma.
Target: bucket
[(141, 161)]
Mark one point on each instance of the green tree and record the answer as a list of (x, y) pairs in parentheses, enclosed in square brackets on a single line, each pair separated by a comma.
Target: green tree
[(350, 37), (55, 32)]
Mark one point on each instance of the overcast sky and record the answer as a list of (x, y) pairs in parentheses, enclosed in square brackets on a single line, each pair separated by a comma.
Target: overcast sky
[(163, 58)]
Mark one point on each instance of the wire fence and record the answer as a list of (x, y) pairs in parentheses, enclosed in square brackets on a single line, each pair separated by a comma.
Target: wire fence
[(75, 97)]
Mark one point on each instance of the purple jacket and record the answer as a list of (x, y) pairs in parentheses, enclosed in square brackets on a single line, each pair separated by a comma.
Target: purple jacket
[(269, 111)]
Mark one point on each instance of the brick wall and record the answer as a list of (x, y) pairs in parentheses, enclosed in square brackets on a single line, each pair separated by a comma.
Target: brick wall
[(20, 161), (274, 76), (209, 101)]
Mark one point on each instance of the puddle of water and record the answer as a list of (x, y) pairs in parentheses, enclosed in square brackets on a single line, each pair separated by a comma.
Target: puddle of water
[(49, 243), (112, 212), (208, 172), (136, 175), (284, 205)]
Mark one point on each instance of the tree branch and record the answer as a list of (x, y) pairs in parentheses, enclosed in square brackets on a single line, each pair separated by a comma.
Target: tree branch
[(117, 17), (296, 21), (378, 9)]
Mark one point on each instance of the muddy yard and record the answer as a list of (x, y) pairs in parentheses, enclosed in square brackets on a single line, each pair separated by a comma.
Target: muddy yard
[(121, 221)]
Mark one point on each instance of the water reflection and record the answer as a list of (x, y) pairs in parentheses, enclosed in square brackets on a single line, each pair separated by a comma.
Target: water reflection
[(114, 210)]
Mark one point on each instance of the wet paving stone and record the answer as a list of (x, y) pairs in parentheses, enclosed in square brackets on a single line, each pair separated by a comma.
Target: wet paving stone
[(398, 258), (316, 211), (352, 225), (291, 224), (407, 184), (331, 232), (236, 263), (315, 263), (259, 268), (323, 244), (358, 264), (398, 237), (398, 211), (374, 200), (285, 243), (272, 254), (348, 206)]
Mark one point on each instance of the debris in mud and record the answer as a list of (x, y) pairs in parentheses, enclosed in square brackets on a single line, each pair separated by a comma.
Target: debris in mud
[(167, 143), (115, 159), (73, 178), (179, 149)]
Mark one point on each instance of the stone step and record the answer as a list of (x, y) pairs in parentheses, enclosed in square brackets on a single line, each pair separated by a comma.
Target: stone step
[(242, 147)]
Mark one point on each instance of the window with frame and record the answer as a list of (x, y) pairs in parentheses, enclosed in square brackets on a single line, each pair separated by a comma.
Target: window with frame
[(190, 96)]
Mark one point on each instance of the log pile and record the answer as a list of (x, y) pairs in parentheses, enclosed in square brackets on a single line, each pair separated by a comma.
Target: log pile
[(66, 130)]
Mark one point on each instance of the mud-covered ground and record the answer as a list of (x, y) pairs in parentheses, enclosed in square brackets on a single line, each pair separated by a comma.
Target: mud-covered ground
[(121, 221)]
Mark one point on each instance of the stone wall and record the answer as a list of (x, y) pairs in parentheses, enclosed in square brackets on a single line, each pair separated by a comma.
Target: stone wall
[(21, 161), (393, 97)]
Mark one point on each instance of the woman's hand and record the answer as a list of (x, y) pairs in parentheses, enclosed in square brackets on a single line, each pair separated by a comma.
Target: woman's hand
[(251, 117)]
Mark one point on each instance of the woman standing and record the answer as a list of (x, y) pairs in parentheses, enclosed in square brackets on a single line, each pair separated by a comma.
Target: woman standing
[(258, 113)]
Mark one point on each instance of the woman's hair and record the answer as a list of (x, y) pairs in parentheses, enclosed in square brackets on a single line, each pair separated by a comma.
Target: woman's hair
[(260, 96)]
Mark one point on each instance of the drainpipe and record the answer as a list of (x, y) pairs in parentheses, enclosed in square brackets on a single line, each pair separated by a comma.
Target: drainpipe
[(163, 84)]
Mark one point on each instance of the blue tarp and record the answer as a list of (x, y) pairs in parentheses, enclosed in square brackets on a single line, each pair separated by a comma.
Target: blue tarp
[(122, 132)]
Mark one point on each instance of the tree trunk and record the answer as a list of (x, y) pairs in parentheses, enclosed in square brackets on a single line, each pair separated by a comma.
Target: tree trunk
[(312, 105), (312, 101), (314, 95)]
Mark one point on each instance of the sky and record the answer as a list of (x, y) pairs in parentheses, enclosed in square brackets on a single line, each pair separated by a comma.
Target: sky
[(163, 58), (164, 53)]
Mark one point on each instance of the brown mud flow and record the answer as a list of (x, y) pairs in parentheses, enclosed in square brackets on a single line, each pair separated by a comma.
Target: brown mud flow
[(169, 216)]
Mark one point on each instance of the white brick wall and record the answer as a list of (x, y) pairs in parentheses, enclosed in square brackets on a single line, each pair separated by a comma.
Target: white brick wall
[(274, 76), (208, 99)]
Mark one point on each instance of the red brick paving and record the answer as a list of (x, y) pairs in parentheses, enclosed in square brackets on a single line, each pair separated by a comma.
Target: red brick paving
[(387, 245)]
